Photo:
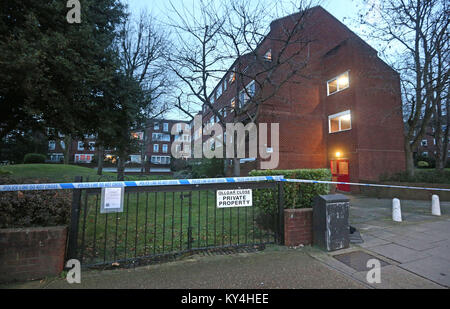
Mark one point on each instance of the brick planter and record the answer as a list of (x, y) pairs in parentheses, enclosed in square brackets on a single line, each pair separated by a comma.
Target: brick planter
[(298, 227), (31, 253)]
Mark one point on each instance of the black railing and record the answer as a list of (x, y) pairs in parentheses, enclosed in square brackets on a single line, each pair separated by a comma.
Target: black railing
[(168, 221)]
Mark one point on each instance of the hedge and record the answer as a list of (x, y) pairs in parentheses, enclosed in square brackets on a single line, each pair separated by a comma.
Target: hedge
[(33, 208), (31, 158), (296, 195)]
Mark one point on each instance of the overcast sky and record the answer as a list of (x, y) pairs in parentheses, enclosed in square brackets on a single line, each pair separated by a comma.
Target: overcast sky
[(344, 10)]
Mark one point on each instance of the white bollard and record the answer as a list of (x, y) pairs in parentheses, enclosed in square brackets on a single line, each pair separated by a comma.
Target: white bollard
[(435, 206), (396, 210)]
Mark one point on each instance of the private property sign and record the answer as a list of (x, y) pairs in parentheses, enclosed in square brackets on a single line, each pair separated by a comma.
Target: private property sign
[(234, 198)]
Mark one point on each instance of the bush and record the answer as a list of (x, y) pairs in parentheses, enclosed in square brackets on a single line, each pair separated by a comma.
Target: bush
[(423, 164), (33, 208), (296, 195), (420, 176), (431, 161), (32, 158), (207, 168)]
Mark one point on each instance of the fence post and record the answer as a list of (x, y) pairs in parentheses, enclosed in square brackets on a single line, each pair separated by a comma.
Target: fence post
[(281, 213), (74, 219)]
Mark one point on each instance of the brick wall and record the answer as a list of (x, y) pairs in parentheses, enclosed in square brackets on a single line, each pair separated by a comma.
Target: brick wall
[(298, 227), (31, 253)]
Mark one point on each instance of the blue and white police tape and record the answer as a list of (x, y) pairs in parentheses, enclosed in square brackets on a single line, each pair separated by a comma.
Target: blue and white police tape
[(361, 184), (122, 184)]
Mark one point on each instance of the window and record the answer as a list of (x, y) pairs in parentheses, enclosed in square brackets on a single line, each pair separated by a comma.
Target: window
[(83, 158), (340, 122), (91, 146), (156, 126), (80, 145), (160, 160), (268, 55), (424, 143), (155, 148), (166, 127), (225, 85), (233, 103), (51, 145), (219, 91), (212, 98), (244, 94), (165, 148), (160, 137), (232, 77), (178, 127), (339, 83), (425, 154)]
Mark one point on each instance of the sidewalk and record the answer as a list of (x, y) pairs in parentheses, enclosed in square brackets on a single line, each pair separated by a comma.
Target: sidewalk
[(413, 254), (274, 268)]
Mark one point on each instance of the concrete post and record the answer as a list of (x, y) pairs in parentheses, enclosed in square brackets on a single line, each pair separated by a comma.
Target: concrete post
[(396, 210), (435, 206)]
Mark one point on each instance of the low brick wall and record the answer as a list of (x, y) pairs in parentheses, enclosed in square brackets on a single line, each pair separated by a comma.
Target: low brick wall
[(298, 227), (31, 253)]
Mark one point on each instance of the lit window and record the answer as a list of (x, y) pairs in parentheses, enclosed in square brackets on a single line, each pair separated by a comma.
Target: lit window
[(339, 83), (340, 122), (233, 103), (268, 55), (232, 77)]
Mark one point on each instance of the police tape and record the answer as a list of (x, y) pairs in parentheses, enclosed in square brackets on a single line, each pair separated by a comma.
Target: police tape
[(361, 184), (145, 183), (179, 182)]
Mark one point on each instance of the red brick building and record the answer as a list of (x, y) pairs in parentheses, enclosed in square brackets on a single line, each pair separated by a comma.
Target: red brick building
[(346, 114)]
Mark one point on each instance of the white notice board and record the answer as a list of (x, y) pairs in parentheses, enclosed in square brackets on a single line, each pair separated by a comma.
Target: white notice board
[(234, 198), (112, 200)]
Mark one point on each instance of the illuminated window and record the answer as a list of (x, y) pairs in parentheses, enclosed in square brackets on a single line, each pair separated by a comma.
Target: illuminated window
[(268, 55), (233, 103), (339, 83), (340, 122), (232, 77)]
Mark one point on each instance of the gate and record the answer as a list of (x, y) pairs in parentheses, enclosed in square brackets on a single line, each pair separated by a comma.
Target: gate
[(163, 222)]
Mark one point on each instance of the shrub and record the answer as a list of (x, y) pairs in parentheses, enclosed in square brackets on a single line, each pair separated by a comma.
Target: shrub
[(296, 195), (207, 168), (33, 208), (421, 176), (431, 161), (32, 158), (423, 164)]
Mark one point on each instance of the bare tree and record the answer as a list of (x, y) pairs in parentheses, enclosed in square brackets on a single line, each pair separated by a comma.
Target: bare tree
[(418, 31), (142, 47), (211, 37)]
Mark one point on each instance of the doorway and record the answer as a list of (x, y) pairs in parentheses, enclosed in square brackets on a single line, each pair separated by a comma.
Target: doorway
[(340, 173)]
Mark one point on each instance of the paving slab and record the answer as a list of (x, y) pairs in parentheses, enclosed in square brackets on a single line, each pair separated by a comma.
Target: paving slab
[(372, 241), (441, 251), (394, 277), (434, 268), (399, 253)]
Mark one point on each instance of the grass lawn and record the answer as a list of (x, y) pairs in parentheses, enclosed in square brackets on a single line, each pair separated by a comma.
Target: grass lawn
[(65, 173), (158, 223)]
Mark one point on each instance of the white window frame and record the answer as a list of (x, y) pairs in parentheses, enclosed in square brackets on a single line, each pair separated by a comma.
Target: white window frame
[(424, 143), (165, 148), (166, 127), (156, 126), (337, 83), (155, 148), (338, 115), (53, 143), (80, 146)]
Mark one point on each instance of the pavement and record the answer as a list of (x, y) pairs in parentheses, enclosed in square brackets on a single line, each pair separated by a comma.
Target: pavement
[(413, 254)]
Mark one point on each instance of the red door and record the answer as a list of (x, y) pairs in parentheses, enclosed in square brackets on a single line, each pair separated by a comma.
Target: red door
[(340, 173)]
